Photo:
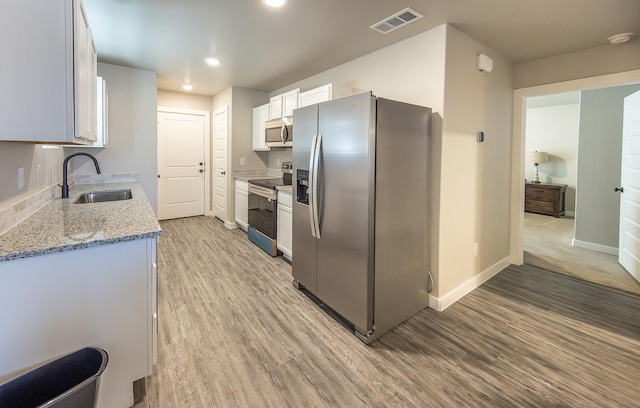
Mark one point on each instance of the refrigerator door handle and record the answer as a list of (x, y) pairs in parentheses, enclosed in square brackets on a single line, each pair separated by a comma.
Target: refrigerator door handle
[(311, 193), (316, 218)]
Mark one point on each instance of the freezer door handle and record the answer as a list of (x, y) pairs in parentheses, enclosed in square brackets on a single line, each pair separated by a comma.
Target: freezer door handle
[(314, 185), (311, 194)]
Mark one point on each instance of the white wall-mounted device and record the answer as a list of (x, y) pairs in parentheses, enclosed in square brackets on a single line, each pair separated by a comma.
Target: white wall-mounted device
[(484, 63)]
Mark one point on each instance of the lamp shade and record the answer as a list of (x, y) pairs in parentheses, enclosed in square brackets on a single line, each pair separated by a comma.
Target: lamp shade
[(538, 157)]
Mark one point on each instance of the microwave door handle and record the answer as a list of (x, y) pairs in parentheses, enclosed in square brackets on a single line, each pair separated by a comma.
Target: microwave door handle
[(311, 194), (316, 164), (282, 130)]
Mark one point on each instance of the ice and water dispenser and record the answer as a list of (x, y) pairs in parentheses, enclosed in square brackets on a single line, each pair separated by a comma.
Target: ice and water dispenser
[(302, 186)]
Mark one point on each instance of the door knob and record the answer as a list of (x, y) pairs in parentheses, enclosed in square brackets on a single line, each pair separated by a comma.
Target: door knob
[(201, 163), (620, 189), (223, 172), (201, 171)]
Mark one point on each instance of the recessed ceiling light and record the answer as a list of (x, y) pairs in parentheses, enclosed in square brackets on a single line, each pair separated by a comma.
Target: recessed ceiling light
[(274, 3), (187, 87), (620, 38), (212, 61)]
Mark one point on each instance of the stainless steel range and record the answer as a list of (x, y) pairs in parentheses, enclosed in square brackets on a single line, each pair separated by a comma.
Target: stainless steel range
[(263, 212)]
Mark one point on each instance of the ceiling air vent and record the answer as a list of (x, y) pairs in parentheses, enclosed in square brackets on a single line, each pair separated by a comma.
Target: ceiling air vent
[(397, 20)]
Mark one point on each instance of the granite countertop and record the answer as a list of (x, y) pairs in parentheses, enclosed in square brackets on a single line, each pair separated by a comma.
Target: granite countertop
[(62, 226)]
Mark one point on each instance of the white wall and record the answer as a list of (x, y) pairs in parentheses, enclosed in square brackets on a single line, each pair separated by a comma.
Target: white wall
[(606, 59), (184, 101), (554, 129), (27, 156), (474, 181), (132, 128)]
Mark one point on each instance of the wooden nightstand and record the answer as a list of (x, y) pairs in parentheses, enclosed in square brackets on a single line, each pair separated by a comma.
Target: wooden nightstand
[(544, 198)]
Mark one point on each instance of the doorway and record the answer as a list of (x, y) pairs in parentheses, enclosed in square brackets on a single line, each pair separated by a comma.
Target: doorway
[(520, 228), (183, 156)]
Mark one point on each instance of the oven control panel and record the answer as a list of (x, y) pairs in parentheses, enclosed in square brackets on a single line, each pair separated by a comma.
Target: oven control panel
[(287, 167)]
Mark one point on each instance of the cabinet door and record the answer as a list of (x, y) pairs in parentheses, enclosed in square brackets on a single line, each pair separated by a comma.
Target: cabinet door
[(102, 114), (316, 95), (242, 204), (86, 77), (260, 116), (285, 225), (56, 95), (275, 107), (290, 102)]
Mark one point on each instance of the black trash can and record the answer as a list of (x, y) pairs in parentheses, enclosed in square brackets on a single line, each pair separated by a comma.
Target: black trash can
[(69, 381)]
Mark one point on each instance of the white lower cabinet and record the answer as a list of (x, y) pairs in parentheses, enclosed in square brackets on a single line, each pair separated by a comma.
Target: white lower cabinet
[(285, 223), (103, 296), (242, 204)]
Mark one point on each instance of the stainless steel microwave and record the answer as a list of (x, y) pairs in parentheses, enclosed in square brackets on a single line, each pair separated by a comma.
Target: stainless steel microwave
[(279, 133)]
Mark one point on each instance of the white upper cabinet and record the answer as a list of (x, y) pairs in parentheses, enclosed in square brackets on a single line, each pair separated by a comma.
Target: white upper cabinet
[(49, 73), (260, 116), (275, 107), (102, 113), (290, 102), (322, 94), (283, 105)]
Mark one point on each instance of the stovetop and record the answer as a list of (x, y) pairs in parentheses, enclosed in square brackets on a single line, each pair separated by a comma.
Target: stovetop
[(271, 183)]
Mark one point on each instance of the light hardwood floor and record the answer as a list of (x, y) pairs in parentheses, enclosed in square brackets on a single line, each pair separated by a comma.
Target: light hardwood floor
[(235, 333)]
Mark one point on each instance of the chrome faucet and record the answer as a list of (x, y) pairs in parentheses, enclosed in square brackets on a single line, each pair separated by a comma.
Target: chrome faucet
[(65, 185)]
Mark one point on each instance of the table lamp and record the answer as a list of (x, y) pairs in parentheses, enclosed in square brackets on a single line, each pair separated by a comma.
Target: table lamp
[(537, 158)]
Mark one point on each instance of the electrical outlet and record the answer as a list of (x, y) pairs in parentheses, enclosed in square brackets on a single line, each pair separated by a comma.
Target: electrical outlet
[(476, 248), (38, 178), (243, 161), (20, 178)]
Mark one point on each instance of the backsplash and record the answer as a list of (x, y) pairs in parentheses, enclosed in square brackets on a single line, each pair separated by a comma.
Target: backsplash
[(275, 173), (106, 178), (18, 212)]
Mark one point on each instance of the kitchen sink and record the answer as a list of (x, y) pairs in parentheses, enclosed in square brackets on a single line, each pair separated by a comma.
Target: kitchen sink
[(103, 196)]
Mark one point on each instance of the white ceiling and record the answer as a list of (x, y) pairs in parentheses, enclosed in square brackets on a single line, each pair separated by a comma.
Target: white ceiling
[(266, 49)]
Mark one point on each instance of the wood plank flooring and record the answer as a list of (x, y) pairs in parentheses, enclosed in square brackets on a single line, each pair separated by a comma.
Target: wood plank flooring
[(235, 333)]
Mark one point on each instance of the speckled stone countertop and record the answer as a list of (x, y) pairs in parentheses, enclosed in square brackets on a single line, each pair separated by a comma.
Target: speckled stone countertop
[(62, 226)]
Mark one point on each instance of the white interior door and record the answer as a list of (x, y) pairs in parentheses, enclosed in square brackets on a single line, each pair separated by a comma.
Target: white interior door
[(181, 164), (629, 255), (220, 137)]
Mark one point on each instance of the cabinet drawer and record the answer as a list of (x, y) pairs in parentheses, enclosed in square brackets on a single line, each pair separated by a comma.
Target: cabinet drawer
[(544, 207), (540, 194)]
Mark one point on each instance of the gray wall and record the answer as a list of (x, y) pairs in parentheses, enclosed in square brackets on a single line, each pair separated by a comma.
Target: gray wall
[(599, 162), (132, 128)]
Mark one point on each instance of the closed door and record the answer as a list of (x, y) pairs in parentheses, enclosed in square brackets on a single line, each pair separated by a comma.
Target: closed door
[(629, 253), (220, 122), (181, 164)]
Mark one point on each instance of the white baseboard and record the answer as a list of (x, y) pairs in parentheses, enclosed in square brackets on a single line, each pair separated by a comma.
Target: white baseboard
[(230, 225), (595, 247), (458, 293)]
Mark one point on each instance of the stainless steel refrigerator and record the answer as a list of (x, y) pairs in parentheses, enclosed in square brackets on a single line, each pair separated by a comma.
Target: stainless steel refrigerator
[(360, 214)]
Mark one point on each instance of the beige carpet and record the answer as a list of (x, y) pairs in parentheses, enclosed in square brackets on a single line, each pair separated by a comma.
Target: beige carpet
[(547, 245)]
